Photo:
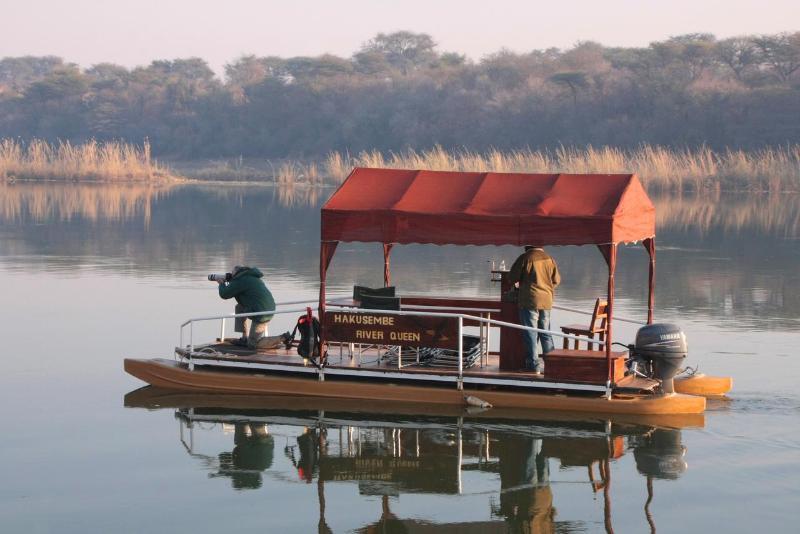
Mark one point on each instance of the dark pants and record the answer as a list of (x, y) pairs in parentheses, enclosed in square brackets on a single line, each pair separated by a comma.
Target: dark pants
[(535, 319)]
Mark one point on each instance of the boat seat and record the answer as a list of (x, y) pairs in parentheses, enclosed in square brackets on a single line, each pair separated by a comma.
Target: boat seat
[(372, 302), (381, 298), (598, 325), (360, 291)]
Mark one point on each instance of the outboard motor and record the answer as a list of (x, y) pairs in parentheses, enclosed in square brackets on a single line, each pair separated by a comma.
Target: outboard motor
[(660, 349)]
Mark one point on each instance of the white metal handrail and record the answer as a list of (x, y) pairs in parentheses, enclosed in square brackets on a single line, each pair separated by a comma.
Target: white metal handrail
[(461, 317), (276, 311)]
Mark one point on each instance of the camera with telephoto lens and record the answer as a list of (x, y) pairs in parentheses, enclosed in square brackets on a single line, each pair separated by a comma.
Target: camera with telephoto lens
[(220, 277)]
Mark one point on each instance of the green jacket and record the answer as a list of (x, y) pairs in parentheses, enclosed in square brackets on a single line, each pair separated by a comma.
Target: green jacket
[(250, 292), (538, 276)]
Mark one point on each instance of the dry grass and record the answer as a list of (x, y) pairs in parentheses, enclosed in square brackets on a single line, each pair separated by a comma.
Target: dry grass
[(91, 161), (337, 166), (290, 173), (771, 169), (297, 184), (659, 168)]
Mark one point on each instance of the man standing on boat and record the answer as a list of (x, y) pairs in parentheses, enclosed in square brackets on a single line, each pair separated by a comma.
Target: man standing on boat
[(252, 295), (537, 277)]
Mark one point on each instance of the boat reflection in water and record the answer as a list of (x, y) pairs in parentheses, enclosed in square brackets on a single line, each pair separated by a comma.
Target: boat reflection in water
[(388, 451)]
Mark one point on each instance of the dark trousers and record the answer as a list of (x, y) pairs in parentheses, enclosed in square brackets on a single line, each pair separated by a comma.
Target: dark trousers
[(535, 319)]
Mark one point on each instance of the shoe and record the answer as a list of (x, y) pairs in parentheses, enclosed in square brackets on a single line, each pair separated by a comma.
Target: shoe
[(533, 371), (241, 342), (286, 338)]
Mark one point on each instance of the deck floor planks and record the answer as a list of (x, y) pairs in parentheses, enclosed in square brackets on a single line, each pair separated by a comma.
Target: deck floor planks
[(233, 353)]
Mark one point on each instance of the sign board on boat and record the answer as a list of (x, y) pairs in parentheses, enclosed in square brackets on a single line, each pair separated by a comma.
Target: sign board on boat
[(387, 329)]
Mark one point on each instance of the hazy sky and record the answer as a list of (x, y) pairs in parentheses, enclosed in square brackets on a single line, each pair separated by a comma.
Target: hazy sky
[(135, 32)]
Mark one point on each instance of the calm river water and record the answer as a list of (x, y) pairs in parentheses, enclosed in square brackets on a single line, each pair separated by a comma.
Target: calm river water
[(92, 274)]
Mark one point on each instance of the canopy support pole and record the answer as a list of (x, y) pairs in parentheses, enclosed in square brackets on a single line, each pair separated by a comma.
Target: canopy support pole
[(387, 250), (610, 253), (650, 245), (326, 251)]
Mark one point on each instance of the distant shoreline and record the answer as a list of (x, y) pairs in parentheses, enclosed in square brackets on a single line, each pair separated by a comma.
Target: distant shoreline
[(768, 170), (663, 169)]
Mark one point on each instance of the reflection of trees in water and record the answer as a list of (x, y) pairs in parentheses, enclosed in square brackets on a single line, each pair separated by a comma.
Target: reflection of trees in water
[(772, 215), (711, 257), (49, 202), (300, 195), (46, 202), (183, 228), (282, 196)]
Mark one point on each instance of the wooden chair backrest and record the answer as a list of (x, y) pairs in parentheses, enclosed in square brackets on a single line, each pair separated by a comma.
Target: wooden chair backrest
[(599, 316)]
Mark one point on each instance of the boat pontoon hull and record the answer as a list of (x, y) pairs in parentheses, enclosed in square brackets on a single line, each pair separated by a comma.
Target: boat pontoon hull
[(704, 385), (174, 375)]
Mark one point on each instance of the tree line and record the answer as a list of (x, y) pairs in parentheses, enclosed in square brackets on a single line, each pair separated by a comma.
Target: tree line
[(400, 91)]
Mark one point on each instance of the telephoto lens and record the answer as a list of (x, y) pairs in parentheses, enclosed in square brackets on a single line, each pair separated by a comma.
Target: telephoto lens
[(219, 277)]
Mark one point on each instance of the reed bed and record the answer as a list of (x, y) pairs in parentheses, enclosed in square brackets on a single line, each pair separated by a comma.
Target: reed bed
[(91, 161), (290, 173), (659, 168)]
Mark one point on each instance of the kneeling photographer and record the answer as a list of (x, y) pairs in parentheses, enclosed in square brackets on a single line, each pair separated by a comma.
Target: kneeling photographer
[(246, 286)]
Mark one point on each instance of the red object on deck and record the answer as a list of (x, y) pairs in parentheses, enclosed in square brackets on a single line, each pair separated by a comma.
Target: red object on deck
[(583, 365), (391, 206)]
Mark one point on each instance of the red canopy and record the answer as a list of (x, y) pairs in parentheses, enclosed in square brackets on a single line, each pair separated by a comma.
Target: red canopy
[(470, 208)]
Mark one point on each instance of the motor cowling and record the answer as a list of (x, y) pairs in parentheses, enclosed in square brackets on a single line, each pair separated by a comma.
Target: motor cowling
[(662, 347)]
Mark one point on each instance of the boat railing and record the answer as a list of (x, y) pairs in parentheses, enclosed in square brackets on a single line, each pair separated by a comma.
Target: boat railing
[(461, 317), (338, 301), (280, 308), (291, 307)]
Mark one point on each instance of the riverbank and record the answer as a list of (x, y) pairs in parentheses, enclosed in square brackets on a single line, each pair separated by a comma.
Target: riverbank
[(659, 168), (92, 161), (774, 170), (241, 169)]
